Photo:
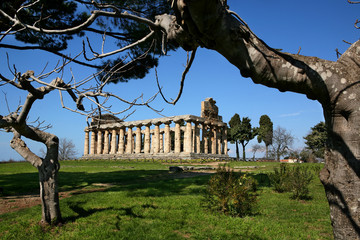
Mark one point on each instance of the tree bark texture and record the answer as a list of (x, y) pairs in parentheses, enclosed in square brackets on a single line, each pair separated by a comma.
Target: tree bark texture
[(49, 195), (334, 84), (49, 166), (244, 153), (266, 151), (237, 150), (48, 171)]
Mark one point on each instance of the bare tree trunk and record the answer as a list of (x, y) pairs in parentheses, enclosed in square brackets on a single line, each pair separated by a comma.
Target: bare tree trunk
[(244, 153), (267, 151), (340, 177), (49, 194), (237, 150), (48, 170)]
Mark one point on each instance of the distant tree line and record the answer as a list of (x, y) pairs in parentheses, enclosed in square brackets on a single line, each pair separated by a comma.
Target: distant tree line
[(278, 142), (242, 132)]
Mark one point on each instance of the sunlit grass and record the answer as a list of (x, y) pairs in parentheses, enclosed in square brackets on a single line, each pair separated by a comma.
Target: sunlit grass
[(144, 201)]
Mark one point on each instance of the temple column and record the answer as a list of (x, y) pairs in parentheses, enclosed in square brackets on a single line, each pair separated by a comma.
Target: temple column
[(147, 139), (106, 142), (99, 142), (225, 142), (197, 137), (121, 141), (177, 137), (93, 143), (167, 138), (86, 143), (130, 141), (205, 139), (161, 149), (138, 139), (156, 138), (219, 142), (188, 137), (113, 142), (193, 139), (213, 140)]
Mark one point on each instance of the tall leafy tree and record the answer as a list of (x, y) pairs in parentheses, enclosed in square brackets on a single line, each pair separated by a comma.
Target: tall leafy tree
[(233, 132), (246, 133), (265, 132), (240, 131), (316, 140)]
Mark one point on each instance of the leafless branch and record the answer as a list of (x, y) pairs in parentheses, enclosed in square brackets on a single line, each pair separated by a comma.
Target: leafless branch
[(50, 51), (188, 66), (299, 51), (102, 55), (356, 24), (338, 54), (6, 101), (93, 16)]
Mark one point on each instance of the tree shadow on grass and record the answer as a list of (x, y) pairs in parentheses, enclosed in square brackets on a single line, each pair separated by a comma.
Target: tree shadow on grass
[(81, 212), (135, 182), (28, 183), (19, 184)]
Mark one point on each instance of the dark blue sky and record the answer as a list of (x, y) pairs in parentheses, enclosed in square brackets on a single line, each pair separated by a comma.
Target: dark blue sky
[(318, 27)]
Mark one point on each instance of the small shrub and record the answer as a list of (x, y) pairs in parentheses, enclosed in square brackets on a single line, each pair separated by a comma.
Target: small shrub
[(300, 179), (230, 193), (317, 169), (280, 178), (292, 179)]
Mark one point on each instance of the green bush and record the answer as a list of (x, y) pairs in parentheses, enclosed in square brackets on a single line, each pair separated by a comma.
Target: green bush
[(292, 179), (231, 193), (301, 178), (280, 178)]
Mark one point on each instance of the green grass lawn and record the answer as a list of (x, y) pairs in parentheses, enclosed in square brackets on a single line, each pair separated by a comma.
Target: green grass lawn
[(143, 200)]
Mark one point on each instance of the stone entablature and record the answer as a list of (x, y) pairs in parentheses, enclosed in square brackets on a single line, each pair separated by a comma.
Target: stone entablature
[(185, 136)]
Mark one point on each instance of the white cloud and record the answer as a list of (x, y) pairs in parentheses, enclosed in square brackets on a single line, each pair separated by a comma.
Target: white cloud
[(290, 114)]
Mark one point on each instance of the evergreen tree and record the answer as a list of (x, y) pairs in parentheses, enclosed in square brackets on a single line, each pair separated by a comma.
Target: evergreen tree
[(316, 140), (265, 133), (246, 133), (233, 132), (240, 131), (64, 14)]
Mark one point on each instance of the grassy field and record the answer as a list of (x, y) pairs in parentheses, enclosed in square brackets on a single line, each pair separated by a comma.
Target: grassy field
[(142, 200)]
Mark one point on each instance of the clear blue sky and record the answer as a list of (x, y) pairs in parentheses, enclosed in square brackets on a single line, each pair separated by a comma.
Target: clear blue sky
[(318, 27)]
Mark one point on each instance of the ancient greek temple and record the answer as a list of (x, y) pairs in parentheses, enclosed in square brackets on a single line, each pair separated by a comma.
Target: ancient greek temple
[(178, 137)]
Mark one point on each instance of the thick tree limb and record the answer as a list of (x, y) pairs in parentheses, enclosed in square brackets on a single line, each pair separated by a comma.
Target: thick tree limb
[(20, 147)]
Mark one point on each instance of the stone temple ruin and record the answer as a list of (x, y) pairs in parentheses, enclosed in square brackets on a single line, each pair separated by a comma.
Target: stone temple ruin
[(178, 137)]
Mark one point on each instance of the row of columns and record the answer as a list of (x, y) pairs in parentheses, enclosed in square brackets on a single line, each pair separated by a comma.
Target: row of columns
[(198, 138)]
